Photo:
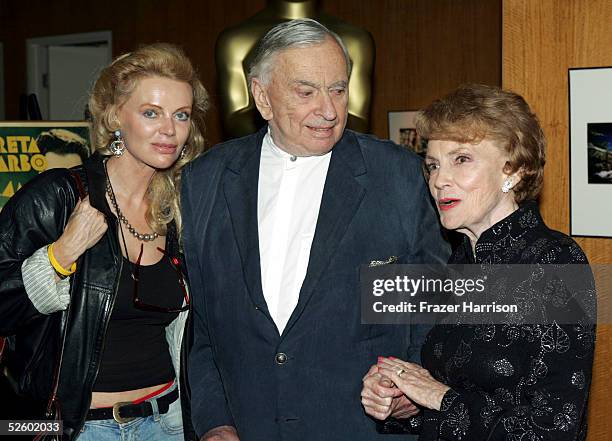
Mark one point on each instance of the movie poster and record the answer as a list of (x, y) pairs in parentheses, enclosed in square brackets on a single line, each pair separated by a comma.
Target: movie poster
[(28, 148)]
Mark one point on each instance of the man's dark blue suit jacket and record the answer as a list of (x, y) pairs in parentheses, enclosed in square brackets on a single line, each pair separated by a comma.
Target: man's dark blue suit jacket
[(375, 205)]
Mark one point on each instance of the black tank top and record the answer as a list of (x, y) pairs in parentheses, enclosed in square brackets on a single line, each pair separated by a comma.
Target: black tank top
[(136, 351)]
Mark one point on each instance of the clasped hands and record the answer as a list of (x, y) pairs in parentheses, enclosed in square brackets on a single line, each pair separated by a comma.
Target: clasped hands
[(394, 388), (391, 388)]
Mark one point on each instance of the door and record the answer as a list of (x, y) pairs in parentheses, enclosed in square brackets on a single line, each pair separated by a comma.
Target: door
[(72, 71), (62, 68)]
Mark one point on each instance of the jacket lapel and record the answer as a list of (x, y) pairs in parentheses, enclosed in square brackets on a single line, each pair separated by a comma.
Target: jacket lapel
[(342, 196), (96, 183), (96, 190), (240, 186)]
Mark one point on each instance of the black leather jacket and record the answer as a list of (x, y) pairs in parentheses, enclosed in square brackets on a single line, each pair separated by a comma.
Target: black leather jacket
[(34, 217)]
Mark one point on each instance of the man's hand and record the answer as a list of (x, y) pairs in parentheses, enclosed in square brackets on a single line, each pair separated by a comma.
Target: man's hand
[(221, 433), (402, 407), (381, 399)]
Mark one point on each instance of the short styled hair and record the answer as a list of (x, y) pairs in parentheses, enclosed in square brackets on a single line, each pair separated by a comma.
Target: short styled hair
[(62, 142), (298, 33), (474, 112), (114, 87)]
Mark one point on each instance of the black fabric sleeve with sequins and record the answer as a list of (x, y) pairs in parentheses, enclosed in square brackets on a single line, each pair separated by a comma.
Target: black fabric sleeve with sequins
[(549, 403), (542, 395)]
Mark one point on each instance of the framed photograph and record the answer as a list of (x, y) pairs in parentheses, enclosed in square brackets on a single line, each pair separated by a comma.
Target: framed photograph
[(28, 148), (402, 131), (590, 114)]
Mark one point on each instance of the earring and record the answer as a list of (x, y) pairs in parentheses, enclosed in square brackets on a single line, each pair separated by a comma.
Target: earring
[(117, 147), (507, 185), (184, 151)]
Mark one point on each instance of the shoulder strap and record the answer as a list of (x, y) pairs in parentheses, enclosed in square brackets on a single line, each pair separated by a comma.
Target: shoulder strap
[(53, 410), (79, 183)]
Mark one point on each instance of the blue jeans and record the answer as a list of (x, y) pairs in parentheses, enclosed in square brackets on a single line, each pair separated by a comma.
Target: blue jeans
[(156, 427)]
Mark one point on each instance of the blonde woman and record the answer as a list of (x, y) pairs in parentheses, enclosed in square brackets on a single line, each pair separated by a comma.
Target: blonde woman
[(92, 288)]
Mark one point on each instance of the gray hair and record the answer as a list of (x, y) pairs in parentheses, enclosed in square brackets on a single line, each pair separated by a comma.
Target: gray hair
[(302, 32)]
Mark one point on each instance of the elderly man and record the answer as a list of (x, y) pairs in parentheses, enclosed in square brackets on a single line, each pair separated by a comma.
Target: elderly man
[(276, 225)]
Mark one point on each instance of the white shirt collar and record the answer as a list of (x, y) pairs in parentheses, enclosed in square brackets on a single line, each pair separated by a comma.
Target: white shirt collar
[(270, 146)]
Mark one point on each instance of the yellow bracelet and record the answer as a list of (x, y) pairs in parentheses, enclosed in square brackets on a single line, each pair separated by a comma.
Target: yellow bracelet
[(60, 270)]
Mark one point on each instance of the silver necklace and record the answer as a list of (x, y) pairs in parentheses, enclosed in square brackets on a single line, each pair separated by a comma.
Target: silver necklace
[(111, 195)]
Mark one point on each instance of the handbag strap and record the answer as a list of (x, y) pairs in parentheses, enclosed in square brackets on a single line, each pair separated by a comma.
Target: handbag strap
[(2, 346), (53, 406), (79, 182)]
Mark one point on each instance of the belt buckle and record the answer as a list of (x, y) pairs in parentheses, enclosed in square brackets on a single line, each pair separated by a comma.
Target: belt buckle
[(118, 417)]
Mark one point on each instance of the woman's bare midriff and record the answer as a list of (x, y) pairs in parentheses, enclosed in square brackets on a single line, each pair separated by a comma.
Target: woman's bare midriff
[(108, 399)]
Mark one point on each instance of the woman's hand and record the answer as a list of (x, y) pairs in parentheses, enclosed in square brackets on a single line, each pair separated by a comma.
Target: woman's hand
[(414, 381), (84, 229), (381, 399)]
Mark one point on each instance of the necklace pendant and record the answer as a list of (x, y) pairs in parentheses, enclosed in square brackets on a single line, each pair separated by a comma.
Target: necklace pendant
[(142, 237)]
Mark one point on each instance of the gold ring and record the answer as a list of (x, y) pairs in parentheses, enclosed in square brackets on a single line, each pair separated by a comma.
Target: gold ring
[(400, 372)]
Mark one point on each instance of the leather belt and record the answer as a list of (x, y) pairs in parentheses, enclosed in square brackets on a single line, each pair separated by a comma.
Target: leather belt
[(126, 411)]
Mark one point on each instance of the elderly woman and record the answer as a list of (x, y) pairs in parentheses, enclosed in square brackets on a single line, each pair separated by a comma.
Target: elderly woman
[(484, 163), (92, 290)]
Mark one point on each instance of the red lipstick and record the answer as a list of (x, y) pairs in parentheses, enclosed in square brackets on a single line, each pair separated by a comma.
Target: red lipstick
[(446, 204)]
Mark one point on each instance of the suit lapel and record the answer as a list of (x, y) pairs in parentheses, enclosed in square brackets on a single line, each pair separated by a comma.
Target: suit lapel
[(342, 196), (240, 186)]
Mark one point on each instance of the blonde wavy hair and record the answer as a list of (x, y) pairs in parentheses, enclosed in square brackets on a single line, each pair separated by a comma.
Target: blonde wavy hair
[(113, 88)]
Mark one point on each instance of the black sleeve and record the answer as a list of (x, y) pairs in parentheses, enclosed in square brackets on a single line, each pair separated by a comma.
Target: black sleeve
[(549, 402), (32, 218)]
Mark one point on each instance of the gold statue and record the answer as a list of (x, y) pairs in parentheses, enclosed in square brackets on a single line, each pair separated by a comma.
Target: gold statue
[(234, 52)]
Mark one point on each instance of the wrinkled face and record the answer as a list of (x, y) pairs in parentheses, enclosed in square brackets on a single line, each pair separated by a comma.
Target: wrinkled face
[(465, 180), (305, 102), (155, 121)]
